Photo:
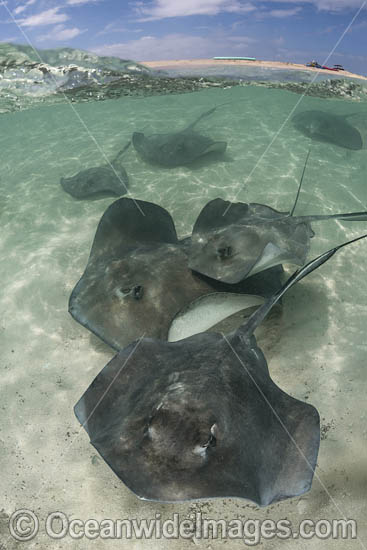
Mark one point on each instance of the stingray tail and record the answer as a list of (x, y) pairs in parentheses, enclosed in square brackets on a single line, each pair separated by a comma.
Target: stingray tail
[(204, 115), (256, 318), (208, 113), (300, 183), (120, 153), (349, 217)]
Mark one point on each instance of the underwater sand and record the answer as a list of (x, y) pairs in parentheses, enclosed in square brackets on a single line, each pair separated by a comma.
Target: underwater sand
[(48, 360)]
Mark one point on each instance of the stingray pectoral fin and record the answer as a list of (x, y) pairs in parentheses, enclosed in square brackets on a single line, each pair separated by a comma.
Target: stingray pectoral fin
[(216, 147), (81, 413), (63, 183), (121, 153), (351, 138), (296, 454), (138, 139), (127, 222), (255, 319), (273, 255), (219, 213)]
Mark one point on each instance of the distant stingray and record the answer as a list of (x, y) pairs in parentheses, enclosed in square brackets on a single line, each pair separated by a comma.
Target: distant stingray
[(109, 179), (177, 148), (232, 241), (330, 128), (201, 417), (137, 278)]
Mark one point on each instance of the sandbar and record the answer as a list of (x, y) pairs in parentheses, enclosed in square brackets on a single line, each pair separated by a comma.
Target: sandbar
[(172, 63)]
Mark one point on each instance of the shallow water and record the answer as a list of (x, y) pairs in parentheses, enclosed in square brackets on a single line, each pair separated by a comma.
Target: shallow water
[(48, 360)]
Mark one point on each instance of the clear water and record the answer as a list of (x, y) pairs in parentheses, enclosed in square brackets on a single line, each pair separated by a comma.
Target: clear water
[(48, 360)]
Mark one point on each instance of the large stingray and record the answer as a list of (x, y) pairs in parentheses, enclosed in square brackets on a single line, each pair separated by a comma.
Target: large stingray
[(330, 128), (137, 279), (109, 179), (232, 241), (177, 148), (202, 418)]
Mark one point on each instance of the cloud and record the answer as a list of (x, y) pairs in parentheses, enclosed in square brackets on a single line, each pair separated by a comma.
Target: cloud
[(48, 17), (175, 46), (117, 26), (80, 2), (22, 8), (162, 9), (325, 5), (61, 34), (361, 25), (280, 41), (278, 13), (283, 13), (113, 27), (19, 9)]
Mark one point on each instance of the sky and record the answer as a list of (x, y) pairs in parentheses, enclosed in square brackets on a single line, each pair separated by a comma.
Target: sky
[(149, 30)]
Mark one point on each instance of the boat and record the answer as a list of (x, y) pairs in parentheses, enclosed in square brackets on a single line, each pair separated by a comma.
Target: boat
[(316, 65), (237, 58)]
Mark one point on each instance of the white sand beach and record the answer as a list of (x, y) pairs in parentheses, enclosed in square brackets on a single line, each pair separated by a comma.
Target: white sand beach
[(245, 63)]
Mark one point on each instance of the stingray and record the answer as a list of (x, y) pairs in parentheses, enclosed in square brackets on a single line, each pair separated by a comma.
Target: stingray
[(109, 179), (202, 418), (329, 128), (177, 148), (232, 241), (137, 278)]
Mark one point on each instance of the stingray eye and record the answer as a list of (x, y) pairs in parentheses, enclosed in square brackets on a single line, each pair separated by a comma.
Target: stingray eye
[(212, 441), (125, 291), (225, 252), (138, 292)]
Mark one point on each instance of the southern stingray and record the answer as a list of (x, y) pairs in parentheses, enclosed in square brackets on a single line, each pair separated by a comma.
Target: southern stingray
[(177, 148), (232, 241), (108, 179), (330, 128), (201, 417), (137, 278)]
